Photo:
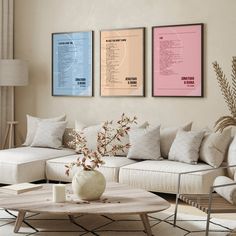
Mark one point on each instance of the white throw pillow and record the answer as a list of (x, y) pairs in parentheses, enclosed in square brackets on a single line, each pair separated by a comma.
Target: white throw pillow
[(49, 134), (124, 140), (231, 160), (145, 144), (91, 133), (227, 192), (32, 124), (168, 135), (185, 147), (214, 146)]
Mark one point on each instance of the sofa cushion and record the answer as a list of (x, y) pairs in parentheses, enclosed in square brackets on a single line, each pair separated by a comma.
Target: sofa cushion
[(32, 125), (214, 146), (231, 160), (26, 164), (67, 138), (55, 168), (227, 192), (162, 176), (91, 133), (49, 134), (185, 147), (168, 135), (145, 144)]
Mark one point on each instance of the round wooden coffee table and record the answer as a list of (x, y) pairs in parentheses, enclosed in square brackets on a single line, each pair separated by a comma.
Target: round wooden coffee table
[(117, 199)]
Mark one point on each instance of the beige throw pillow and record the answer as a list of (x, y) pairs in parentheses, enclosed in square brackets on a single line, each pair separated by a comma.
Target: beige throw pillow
[(49, 134), (185, 147), (145, 144), (67, 138), (168, 135), (214, 146), (32, 125)]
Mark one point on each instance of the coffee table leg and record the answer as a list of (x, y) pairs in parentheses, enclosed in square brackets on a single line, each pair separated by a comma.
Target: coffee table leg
[(144, 218), (19, 220)]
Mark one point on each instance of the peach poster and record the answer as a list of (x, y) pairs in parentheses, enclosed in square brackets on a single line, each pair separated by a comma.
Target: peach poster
[(122, 62), (177, 60)]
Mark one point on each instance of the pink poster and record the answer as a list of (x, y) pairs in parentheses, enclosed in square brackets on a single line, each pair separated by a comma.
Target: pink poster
[(178, 60)]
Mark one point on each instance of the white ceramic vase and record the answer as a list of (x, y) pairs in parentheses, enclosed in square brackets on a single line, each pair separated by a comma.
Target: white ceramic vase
[(88, 184)]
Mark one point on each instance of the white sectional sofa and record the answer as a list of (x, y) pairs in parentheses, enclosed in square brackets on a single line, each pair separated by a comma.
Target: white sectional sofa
[(55, 168), (156, 176), (28, 164), (162, 176)]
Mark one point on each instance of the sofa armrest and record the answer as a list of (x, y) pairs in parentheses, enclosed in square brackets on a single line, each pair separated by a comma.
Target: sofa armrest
[(210, 192), (195, 171), (222, 185)]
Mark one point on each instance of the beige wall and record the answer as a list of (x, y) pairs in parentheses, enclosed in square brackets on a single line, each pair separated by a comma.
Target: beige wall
[(35, 20)]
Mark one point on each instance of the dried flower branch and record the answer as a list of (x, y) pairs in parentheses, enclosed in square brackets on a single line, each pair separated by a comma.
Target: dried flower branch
[(108, 143), (109, 134), (229, 94)]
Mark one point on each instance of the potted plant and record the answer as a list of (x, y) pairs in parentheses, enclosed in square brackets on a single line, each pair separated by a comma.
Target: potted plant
[(229, 93), (89, 183)]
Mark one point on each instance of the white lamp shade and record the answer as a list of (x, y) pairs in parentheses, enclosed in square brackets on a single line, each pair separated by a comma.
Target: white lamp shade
[(13, 72)]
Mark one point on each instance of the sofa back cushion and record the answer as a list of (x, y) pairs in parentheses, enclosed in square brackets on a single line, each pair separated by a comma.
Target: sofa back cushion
[(168, 135), (91, 133), (185, 147), (214, 146), (49, 134), (231, 160), (32, 125), (145, 144)]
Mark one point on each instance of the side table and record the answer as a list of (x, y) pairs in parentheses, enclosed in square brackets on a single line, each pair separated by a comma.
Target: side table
[(10, 135)]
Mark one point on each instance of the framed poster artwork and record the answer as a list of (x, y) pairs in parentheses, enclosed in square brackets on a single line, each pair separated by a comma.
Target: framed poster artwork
[(122, 62), (72, 64), (177, 60)]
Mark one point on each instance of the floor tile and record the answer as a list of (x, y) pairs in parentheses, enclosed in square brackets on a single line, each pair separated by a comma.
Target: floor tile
[(110, 233), (54, 225), (48, 216), (57, 234), (8, 230), (164, 228)]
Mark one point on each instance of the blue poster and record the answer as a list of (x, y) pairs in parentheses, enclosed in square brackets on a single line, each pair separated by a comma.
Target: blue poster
[(72, 69)]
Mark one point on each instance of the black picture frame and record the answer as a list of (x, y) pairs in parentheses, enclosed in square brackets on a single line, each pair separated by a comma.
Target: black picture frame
[(141, 47), (186, 79), (72, 64)]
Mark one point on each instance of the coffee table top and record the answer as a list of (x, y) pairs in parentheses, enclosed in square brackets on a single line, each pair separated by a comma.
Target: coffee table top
[(117, 199)]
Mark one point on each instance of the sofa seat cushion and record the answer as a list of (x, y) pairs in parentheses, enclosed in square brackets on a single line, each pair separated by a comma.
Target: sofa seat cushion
[(162, 176), (55, 168), (26, 164)]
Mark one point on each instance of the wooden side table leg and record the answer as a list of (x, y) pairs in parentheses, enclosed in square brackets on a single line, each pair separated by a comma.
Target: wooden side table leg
[(6, 137), (144, 218), (11, 136), (19, 220)]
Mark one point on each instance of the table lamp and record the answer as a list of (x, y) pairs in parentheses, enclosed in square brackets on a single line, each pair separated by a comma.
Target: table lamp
[(13, 72)]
